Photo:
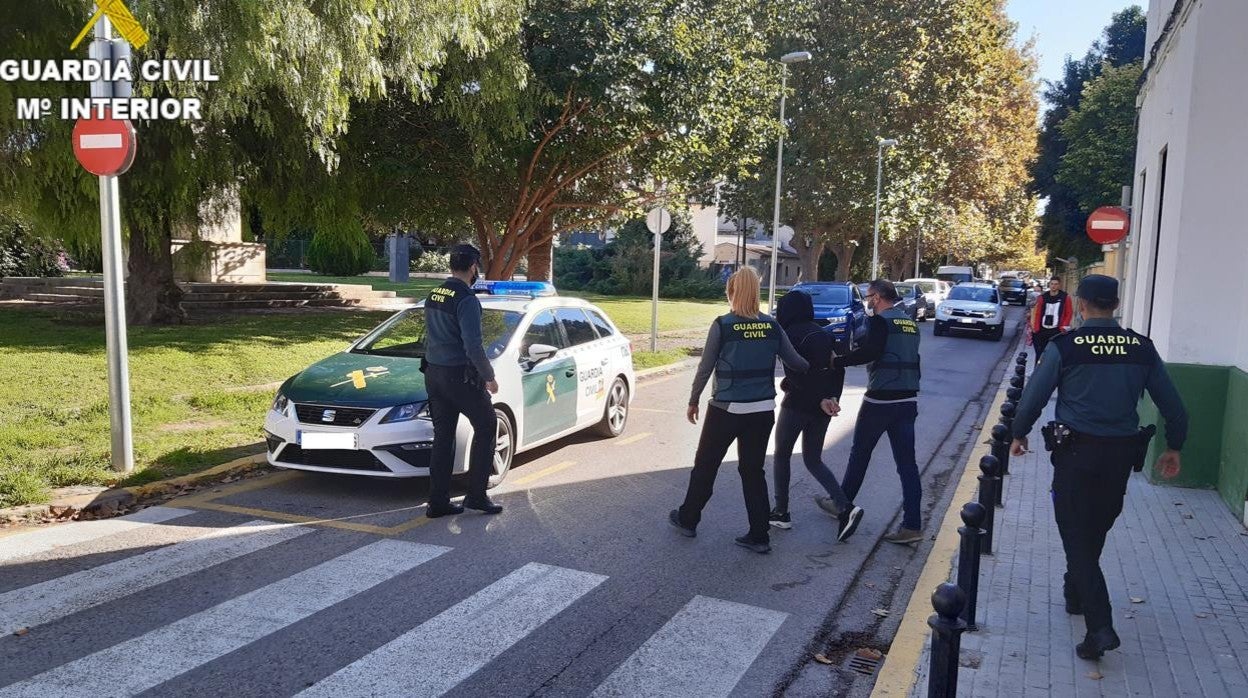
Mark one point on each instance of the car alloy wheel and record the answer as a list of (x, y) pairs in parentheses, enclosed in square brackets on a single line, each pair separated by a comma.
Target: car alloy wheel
[(615, 414), (504, 448)]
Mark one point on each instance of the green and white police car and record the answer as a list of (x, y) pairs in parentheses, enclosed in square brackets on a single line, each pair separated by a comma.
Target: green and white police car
[(561, 365)]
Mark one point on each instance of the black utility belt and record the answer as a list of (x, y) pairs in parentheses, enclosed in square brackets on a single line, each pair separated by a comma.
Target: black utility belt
[(1059, 437)]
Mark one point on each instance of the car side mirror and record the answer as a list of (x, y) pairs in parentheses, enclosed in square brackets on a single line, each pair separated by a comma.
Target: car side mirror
[(540, 352)]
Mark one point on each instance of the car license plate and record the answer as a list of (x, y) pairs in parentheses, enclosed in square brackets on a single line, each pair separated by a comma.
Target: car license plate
[(320, 440), (966, 320)]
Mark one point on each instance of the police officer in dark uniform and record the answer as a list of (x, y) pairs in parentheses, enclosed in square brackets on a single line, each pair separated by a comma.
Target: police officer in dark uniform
[(741, 350), (1100, 371), (460, 380)]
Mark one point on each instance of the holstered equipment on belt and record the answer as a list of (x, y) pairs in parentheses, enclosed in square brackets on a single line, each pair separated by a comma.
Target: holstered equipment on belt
[(1058, 436)]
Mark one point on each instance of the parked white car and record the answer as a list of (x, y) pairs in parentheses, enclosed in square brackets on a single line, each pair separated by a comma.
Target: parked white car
[(971, 307), (561, 365), (934, 290)]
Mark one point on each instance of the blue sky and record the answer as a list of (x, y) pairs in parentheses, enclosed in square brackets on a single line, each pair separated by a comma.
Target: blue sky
[(1063, 27)]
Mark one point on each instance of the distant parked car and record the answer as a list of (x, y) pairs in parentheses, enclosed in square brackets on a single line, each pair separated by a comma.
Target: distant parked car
[(934, 290), (840, 308), (1013, 291), (913, 301)]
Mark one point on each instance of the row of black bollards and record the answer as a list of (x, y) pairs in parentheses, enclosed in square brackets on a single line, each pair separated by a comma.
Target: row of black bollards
[(955, 604)]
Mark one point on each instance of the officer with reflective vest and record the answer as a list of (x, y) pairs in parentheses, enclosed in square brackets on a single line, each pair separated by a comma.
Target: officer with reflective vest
[(741, 350), (459, 380), (1100, 371), (891, 352)]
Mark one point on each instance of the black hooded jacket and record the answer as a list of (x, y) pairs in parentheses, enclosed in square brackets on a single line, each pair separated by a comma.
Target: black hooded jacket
[(804, 391)]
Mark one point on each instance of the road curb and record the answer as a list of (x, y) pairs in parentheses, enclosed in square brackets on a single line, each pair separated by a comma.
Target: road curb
[(666, 370), (900, 670), (70, 502)]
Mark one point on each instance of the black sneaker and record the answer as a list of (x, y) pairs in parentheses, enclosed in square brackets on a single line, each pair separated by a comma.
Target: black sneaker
[(760, 547), (849, 523), (435, 511), (483, 505), (674, 519), (780, 519)]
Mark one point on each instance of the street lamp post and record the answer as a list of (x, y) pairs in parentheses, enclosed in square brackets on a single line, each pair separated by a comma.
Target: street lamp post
[(785, 60), (879, 181)]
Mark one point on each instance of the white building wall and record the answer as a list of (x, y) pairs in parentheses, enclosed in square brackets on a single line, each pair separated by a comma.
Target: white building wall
[(705, 228), (1194, 105)]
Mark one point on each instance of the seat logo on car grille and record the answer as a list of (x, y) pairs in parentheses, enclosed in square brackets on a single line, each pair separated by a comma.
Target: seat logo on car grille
[(329, 415)]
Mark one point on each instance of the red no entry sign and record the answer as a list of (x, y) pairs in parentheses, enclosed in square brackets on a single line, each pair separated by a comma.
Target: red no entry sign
[(104, 146), (1108, 225)]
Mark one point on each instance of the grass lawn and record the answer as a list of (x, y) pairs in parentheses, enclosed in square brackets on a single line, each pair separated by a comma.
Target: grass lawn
[(194, 394)]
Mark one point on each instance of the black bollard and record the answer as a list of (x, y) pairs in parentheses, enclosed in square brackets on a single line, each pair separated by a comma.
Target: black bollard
[(1001, 449), (1013, 394), (947, 629), (973, 514), (1022, 358), (989, 493), (1017, 382)]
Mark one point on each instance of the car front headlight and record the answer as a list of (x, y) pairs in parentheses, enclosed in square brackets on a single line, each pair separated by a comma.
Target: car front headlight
[(280, 403), (406, 413), (837, 319), (990, 313)]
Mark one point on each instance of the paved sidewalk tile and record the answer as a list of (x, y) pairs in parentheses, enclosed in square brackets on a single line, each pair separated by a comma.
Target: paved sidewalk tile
[(1180, 552)]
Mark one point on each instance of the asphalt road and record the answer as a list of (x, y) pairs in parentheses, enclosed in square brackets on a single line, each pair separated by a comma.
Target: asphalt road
[(339, 586)]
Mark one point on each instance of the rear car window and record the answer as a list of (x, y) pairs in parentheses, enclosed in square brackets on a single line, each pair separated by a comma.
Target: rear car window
[(601, 324), (577, 325)]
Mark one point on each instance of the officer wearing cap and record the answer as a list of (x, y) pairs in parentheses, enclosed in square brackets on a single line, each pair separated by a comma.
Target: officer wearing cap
[(1100, 371), (459, 380)]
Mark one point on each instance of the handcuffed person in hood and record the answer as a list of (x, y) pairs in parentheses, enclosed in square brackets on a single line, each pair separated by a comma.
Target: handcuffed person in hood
[(810, 401)]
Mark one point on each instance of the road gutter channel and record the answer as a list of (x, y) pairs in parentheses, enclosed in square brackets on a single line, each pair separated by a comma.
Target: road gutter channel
[(835, 641)]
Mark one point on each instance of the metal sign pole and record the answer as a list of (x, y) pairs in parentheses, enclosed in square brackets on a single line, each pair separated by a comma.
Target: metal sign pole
[(122, 452), (654, 300)]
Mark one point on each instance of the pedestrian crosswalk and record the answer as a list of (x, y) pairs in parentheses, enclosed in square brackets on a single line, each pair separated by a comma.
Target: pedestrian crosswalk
[(704, 649)]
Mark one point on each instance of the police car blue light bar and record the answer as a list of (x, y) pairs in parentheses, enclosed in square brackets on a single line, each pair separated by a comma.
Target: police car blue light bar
[(526, 289)]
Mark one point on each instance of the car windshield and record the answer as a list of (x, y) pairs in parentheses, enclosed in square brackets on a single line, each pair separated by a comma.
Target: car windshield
[(826, 295), (904, 290), (927, 286), (973, 293), (404, 335), (1012, 283)]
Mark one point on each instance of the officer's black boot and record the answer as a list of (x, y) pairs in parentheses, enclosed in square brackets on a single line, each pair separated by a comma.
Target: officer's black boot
[(434, 511), (1097, 643), (483, 504)]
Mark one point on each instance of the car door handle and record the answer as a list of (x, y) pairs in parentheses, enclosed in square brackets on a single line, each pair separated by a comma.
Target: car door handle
[(570, 372)]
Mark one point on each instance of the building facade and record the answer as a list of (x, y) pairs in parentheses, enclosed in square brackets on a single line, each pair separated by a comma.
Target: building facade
[(1186, 276)]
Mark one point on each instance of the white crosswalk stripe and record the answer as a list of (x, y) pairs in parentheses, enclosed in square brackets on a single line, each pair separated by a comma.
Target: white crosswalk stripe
[(440, 653), (56, 598), (146, 661), (704, 650), (43, 540)]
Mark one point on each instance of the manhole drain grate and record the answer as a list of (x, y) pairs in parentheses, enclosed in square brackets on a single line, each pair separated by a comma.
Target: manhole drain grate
[(866, 661)]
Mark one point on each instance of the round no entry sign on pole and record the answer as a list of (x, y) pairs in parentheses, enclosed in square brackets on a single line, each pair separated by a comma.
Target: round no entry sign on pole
[(1108, 225), (106, 146)]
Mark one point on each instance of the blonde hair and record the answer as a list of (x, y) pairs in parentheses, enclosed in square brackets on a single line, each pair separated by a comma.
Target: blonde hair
[(743, 290)]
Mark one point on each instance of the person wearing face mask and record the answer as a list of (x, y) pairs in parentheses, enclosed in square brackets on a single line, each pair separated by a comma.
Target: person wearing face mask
[(1100, 371), (891, 352), (459, 380)]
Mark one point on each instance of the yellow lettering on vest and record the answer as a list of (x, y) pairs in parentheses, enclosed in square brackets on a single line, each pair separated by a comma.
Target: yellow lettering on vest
[(755, 335), (747, 326), (1078, 340)]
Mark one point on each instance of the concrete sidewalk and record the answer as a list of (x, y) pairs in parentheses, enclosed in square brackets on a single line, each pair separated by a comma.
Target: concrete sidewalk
[(1176, 564)]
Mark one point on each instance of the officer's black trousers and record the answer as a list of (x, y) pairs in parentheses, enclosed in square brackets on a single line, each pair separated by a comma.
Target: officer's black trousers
[(719, 429), (1089, 483), (449, 397)]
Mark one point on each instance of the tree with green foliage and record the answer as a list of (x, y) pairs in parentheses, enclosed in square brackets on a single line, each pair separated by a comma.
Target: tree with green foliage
[(292, 76), (1062, 223), (623, 103), (1100, 138)]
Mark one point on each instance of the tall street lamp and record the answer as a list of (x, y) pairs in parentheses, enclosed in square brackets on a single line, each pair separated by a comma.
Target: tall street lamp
[(879, 180), (785, 60)]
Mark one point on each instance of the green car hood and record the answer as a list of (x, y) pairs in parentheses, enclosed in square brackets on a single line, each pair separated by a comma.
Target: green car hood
[(359, 380)]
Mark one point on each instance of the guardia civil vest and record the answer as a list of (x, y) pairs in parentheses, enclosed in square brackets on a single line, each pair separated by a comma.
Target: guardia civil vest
[(443, 344), (746, 368), (898, 368)]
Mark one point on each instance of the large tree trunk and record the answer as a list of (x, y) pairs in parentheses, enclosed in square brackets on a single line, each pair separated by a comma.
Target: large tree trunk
[(541, 258), (844, 252), (808, 257), (152, 297)]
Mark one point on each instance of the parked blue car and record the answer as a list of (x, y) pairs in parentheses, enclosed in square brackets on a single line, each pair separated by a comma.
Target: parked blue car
[(840, 308)]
